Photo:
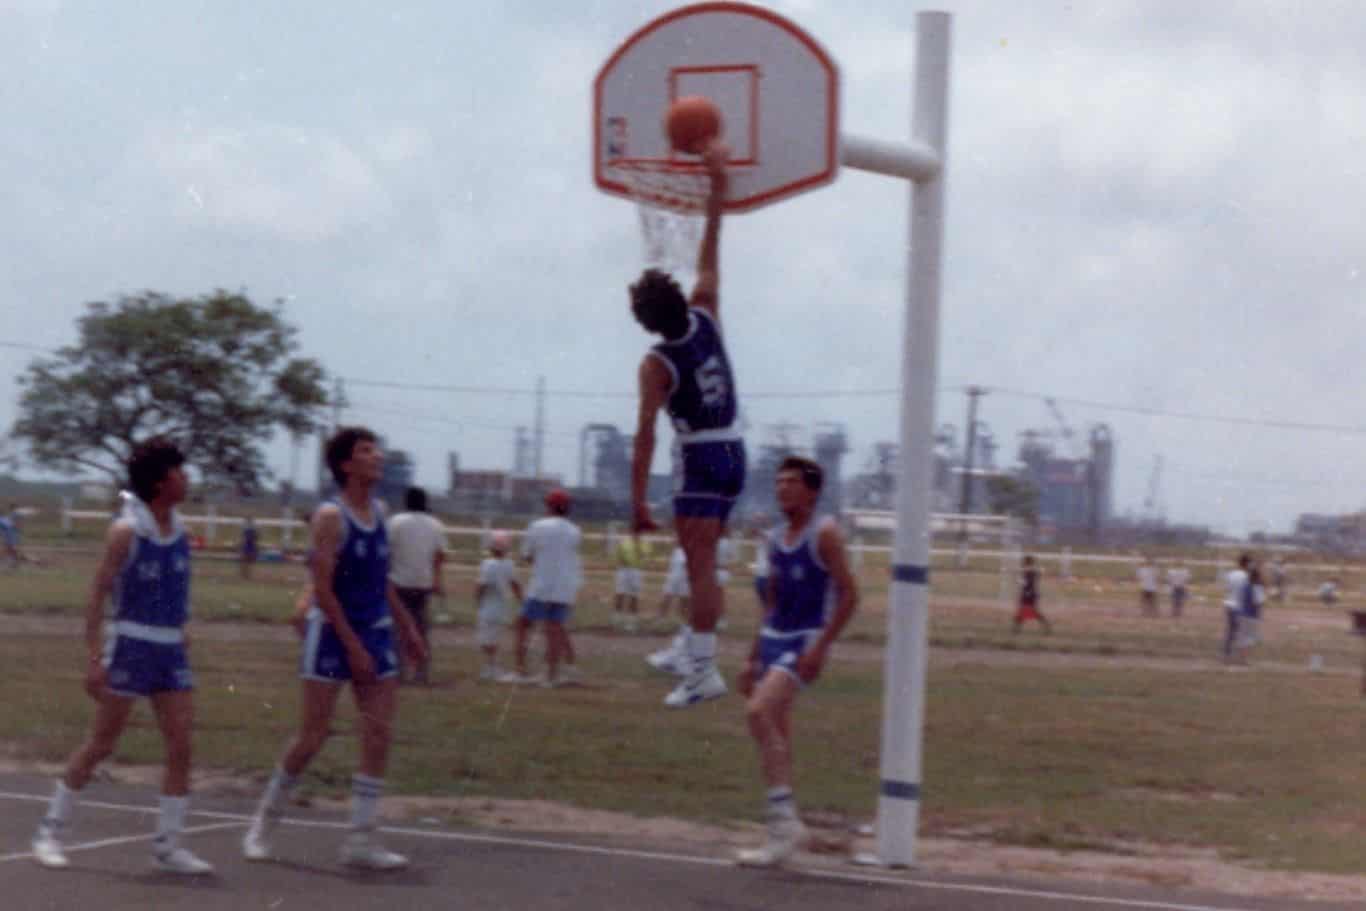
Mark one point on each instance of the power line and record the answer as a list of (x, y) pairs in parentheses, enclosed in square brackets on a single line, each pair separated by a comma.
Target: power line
[(1184, 415)]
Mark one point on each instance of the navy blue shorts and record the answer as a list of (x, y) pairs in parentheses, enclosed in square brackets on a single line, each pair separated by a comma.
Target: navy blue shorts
[(713, 475), (554, 611), (324, 656), (137, 667), (782, 652)]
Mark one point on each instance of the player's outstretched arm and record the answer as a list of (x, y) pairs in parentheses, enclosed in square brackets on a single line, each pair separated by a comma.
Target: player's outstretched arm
[(654, 380), (706, 292)]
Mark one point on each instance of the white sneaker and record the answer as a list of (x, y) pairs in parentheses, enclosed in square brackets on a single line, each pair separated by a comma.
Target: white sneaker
[(668, 661), (784, 837), (182, 862), (47, 849), (511, 677), (489, 672), (570, 675), (697, 687), (256, 842), (362, 852)]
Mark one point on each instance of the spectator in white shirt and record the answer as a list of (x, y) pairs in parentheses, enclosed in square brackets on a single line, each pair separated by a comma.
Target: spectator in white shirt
[(416, 552), (1147, 587), (551, 545)]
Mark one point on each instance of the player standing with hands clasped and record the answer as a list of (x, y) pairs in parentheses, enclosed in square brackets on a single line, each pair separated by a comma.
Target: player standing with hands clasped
[(811, 596), (689, 374)]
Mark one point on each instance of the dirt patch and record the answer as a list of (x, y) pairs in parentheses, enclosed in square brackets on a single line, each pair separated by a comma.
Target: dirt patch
[(832, 844)]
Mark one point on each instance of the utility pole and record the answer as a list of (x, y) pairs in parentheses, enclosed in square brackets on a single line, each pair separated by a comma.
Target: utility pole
[(969, 452), (540, 423)]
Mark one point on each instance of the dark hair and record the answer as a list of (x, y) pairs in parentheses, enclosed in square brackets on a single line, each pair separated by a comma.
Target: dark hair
[(149, 464), (415, 499), (1245, 560), (812, 474), (659, 304), (341, 445), (1028, 560)]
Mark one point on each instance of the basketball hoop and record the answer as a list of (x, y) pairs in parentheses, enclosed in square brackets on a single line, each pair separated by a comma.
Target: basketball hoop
[(670, 199)]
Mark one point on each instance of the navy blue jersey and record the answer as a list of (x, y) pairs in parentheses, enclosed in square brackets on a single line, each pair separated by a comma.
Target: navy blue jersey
[(802, 588), (153, 588), (702, 394), (361, 577)]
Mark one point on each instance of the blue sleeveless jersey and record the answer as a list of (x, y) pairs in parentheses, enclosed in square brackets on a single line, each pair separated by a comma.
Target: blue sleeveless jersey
[(361, 577), (154, 586), (801, 583), (702, 397)]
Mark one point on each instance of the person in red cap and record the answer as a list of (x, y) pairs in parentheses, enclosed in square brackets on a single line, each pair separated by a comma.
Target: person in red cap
[(551, 546)]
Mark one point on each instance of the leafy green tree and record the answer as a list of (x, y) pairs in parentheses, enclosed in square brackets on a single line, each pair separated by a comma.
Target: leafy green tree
[(1011, 496), (215, 373)]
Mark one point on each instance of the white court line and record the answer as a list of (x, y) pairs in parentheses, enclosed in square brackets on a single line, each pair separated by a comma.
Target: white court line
[(236, 819), (121, 840)]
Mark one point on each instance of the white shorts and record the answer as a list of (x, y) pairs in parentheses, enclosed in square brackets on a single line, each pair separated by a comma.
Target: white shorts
[(489, 625), (677, 584), (628, 581), (722, 577)]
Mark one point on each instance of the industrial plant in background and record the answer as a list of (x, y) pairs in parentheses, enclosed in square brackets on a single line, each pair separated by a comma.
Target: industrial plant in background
[(1062, 487)]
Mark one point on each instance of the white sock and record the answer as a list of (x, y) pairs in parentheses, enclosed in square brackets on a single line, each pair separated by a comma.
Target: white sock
[(277, 793), (781, 803), (702, 650), (59, 807), (171, 823), (681, 639), (365, 793)]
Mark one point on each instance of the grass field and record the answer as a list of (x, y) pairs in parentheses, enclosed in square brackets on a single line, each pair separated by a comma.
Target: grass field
[(1114, 730)]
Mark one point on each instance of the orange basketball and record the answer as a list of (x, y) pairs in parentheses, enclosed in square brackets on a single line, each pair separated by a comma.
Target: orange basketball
[(690, 122)]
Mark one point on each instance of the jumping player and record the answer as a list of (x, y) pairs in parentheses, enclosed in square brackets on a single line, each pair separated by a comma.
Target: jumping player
[(349, 638), (811, 596), (144, 578), (689, 374)]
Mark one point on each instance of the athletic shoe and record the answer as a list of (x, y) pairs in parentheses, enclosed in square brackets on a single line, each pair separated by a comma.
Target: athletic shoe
[(489, 672), (181, 862), (570, 675), (511, 677), (256, 842), (47, 849), (360, 851), (547, 682), (668, 661), (697, 687), (784, 837)]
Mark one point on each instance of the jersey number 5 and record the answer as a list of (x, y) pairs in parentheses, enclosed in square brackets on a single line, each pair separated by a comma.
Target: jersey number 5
[(711, 381)]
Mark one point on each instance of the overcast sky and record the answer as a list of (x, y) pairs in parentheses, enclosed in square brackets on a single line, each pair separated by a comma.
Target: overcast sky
[(1152, 207)]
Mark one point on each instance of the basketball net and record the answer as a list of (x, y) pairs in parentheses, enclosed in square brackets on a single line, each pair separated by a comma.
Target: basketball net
[(670, 202)]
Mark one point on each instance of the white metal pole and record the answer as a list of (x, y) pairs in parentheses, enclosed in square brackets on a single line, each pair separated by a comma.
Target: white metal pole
[(907, 653)]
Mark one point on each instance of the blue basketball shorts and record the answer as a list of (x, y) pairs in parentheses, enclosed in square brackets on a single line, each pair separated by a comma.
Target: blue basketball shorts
[(780, 651), (711, 478), (553, 611), (137, 667), (324, 657)]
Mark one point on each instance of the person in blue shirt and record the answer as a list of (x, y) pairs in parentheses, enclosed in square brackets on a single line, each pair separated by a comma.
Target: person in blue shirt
[(811, 597), (688, 374), (137, 647), (348, 638)]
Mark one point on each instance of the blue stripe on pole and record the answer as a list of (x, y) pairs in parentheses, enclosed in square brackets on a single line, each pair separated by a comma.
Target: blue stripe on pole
[(916, 575), (902, 790)]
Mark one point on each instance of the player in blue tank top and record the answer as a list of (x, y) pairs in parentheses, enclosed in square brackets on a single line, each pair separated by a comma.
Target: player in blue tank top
[(348, 637), (140, 602), (811, 597), (689, 375)]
